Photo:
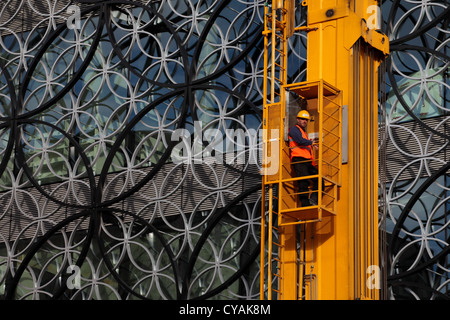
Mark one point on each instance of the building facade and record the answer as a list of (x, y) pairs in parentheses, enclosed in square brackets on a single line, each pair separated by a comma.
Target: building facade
[(130, 143), (414, 150)]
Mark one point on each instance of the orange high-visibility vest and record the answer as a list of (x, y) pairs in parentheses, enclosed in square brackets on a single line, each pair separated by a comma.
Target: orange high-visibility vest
[(298, 150)]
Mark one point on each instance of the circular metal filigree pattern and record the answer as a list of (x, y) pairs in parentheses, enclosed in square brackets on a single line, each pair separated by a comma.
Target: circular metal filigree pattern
[(97, 98), (417, 147), (98, 101)]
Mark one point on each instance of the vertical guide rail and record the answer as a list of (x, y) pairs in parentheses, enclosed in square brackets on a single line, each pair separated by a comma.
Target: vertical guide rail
[(269, 241), (264, 161), (275, 48), (366, 163), (320, 107)]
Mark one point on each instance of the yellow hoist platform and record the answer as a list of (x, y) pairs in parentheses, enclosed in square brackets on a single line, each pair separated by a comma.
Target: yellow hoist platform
[(325, 250)]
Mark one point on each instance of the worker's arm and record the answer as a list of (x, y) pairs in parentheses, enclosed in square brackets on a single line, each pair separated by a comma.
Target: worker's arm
[(296, 135)]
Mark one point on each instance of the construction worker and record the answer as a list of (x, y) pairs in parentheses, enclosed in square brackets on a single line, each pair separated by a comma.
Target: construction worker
[(302, 158)]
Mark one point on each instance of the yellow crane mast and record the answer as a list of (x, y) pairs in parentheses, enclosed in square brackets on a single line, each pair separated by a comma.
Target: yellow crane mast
[(327, 250)]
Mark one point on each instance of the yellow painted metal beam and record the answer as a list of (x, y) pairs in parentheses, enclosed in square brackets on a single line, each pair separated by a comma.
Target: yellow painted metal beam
[(339, 235), (346, 53), (339, 245)]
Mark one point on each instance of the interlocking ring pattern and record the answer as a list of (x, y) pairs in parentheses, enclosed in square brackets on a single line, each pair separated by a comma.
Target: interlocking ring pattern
[(92, 205), (416, 145)]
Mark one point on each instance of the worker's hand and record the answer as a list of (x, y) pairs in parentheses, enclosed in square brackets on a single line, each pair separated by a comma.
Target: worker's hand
[(315, 146)]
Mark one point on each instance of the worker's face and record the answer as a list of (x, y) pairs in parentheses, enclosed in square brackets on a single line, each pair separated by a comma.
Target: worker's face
[(302, 122)]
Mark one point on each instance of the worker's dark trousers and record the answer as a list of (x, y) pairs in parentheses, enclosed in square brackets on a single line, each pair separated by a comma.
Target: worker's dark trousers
[(305, 169)]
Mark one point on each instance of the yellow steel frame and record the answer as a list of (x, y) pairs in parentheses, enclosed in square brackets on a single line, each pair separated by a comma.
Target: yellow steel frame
[(340, 241), (274, 34)]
